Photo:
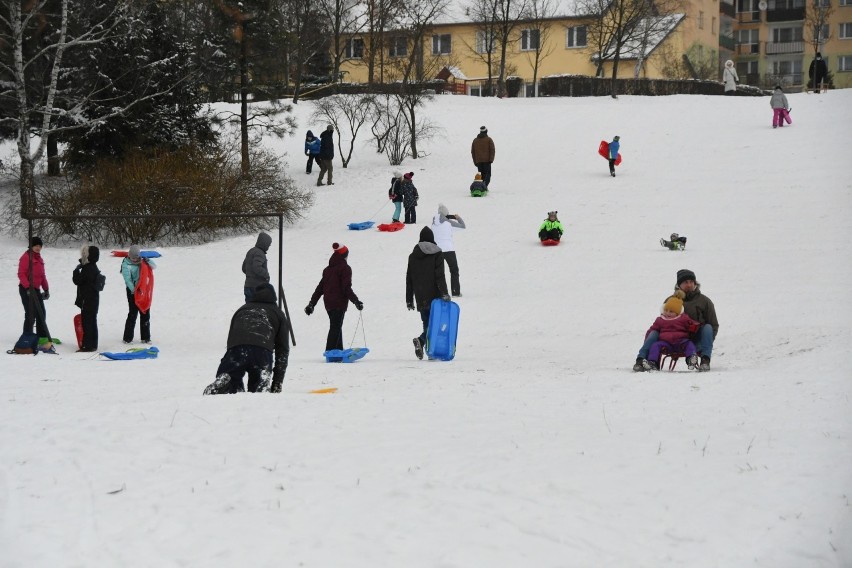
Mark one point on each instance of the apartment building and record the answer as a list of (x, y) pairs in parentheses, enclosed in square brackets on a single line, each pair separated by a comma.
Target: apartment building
[(767, 40)]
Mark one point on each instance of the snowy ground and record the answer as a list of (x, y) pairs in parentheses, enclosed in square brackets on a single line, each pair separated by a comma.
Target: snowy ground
[(537, 446)]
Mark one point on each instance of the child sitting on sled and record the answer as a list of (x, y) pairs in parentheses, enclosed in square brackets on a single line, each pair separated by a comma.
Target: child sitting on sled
[(478, 187), (675, 329), (551, 229), (676, 243)]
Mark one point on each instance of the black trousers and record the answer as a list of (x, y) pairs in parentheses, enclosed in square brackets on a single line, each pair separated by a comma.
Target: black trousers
[(89, 315), (130, 322), (239, 360), (335, 330), (453, 264), (310, 165), (612, 165), (552, 234), (411, 214), (485, 169), (37, 316)]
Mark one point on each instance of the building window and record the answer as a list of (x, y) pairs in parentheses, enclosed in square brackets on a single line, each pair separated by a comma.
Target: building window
[(846, 30), (482, 43), (844, 63), (786, 35), (700, 20), (529, 40), (441, 44), (787, 67), (748, 37), (745, 68), (354, 49), (821, 33), (846, 2), (398, 46), (575, 36)]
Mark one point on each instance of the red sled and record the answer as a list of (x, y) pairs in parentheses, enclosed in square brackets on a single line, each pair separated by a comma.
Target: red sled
[(144, 293), (391, 227), (78, 330), (549, 242), (603, 150)]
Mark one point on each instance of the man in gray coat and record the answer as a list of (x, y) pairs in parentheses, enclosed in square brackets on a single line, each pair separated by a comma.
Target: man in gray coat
[(254, 265)]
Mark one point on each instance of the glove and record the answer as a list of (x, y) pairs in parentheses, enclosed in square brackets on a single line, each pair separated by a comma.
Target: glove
[(46, 295), (445, 297), (309, 309), (359, 305), (410, 305)]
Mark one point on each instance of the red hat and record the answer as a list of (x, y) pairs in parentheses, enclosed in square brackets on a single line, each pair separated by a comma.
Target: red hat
[(340, 249), (409, 175)]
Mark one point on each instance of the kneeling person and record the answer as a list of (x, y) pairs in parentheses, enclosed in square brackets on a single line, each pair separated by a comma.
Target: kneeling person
[(258, 329)]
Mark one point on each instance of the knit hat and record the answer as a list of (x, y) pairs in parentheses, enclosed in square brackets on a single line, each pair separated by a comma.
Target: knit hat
[(674, 303), (340, 249), (36, 242), (409, 175), (133, 253), (617, 138), (483, 129), (442, 210), (397, 174), (684, 274), (478, 176), (427, 236)]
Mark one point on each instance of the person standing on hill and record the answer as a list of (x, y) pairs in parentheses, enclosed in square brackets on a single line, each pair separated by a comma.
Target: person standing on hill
[(90, 283), (730, 78), (424, 281), (326, 155), (131, 267), (614, 146), (395, 195), (312, 150), (335, 287), (255, 265), (32, 260), (443, 225), (817, 71), (409, 198), (482, 152)]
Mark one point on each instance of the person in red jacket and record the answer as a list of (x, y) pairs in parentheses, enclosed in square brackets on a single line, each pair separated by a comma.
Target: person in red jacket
[(39, 285), (675, 329), (336, 289)]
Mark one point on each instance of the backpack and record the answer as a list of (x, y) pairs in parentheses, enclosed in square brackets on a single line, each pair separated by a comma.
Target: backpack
[(27, 344), (100, 282)]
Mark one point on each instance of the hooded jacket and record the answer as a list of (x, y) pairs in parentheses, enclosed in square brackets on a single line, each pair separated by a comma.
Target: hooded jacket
[(312, 144), (409, 193), (261, 322), (327, 145), (254, 265), (39, 277), (778, 100), (442, 229), (424, 278), (335, 287), (85, 276), (700, 308), (729, 76), (482, 148)]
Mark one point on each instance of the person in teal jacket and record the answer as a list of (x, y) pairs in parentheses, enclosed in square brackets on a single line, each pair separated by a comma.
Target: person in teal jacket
[(552, 228), (613, 154), (130, 272)]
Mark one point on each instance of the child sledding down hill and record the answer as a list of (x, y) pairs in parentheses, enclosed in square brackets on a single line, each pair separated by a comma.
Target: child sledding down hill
[(551, 229), (478, 187), (675, 329)]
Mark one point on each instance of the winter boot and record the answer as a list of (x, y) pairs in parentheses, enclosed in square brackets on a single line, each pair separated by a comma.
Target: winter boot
[(705, 363), (650, 365), (222, 385), (638, 367), (418, 348), (692, 361)]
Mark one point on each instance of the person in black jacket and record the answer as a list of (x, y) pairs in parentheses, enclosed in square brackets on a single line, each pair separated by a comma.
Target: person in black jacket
[(817, 71), (425, 281), (326, 155), (258, 328), (336, 289), (90, 282), (395, 195)]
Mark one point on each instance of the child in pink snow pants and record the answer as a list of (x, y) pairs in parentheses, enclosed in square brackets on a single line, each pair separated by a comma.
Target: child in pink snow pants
[(780, 108)]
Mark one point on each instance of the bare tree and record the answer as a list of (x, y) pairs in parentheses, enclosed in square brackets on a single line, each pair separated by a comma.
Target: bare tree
[(509, 14), (351, 111), (305, 39), (484, 14), (345, 23), (817, 30), (539, 13)]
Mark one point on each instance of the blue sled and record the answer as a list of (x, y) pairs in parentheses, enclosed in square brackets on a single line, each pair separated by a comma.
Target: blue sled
[(345, 355), (361, 226), (149, 254), (443, 329), (130, 354)]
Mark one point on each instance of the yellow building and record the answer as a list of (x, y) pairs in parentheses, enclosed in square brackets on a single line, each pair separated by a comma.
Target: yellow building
[(766, 39)]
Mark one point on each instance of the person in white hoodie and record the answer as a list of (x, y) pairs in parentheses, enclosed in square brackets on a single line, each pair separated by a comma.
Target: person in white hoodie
[(729, 76), (442, 227)]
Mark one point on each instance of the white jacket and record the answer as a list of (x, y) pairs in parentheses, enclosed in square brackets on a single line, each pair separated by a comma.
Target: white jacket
[(442, 228), (730, 78)]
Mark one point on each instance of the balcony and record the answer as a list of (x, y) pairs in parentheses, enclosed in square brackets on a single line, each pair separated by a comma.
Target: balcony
[(748, 17), (774, 48), (748, 49), (726, 42), (785, 15)]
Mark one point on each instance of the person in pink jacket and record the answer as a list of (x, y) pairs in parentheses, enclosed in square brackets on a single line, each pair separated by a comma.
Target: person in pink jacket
[(39, 285), (675, 329)]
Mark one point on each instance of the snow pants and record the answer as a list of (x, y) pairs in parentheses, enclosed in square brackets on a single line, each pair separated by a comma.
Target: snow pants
[(411, 215), (239, 360), (130, 323), (552, 234), (89, 317), (397, 208), (704, 342), (685, 348), (335, 330), (779, 115)]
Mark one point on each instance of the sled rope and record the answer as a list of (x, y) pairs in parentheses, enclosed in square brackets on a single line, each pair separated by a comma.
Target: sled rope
[(363, 332), (373, 216)]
